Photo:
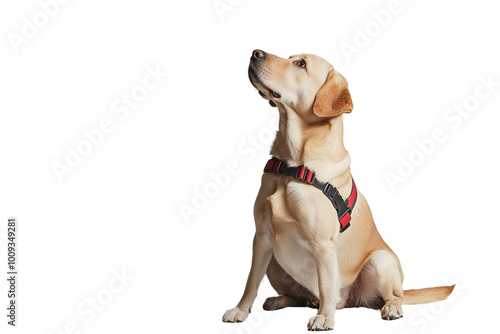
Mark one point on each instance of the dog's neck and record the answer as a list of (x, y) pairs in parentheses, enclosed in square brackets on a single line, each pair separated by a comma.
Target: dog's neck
[(318, 146)]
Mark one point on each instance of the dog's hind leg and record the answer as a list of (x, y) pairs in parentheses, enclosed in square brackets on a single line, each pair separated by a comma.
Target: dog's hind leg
[(389, 283), (292, 294), (379, 285)]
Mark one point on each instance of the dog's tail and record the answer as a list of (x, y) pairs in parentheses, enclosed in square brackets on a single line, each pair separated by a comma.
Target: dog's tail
[(427, 295)]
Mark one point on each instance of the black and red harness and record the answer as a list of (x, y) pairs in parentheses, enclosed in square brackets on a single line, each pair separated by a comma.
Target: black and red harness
[(344, 207)]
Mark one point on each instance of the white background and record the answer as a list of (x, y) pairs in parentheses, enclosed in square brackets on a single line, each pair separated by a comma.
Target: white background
[(120, 208)]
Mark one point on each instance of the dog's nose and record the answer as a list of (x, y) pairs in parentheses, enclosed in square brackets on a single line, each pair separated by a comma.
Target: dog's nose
[(258, 54)]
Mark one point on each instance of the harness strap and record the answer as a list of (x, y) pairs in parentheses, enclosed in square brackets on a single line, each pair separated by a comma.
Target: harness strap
[(344, 207)]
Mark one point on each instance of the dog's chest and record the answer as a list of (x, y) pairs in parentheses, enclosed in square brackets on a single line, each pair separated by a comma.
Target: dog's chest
[(290, 248)]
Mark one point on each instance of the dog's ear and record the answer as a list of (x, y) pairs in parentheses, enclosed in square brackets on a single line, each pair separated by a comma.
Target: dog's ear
[(333, 98)]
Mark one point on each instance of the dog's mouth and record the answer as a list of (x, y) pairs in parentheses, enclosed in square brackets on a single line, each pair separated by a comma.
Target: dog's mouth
[(273, 93), (257, 83)]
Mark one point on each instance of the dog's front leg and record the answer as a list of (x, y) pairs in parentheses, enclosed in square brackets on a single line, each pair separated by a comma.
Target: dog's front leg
[(262, 254), (325, 254)]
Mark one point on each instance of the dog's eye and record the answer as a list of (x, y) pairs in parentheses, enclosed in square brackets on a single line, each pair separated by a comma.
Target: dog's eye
[(301, 63)]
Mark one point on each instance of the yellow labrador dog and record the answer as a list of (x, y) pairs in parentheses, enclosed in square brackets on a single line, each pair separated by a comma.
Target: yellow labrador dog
[(298, 239)]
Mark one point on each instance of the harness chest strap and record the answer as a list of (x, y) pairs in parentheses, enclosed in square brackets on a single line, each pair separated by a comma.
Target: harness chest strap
[(344, 207)]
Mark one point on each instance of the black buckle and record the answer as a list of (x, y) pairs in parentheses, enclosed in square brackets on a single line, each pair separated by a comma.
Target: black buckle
[(342, 209), (342, 229), (330, 191), (338, 202)]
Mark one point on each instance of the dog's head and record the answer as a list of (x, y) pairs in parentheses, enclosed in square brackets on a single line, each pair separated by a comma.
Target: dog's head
[(306, 83)]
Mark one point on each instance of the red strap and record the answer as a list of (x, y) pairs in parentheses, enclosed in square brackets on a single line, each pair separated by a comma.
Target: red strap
[(269, 164), (345, 220), (309, 176), (352, 196), (301, 173)]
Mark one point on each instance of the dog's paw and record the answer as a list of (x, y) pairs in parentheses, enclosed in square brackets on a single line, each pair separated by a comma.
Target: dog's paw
[(391, 311), (235, 315), (313, 303), (320, 323), (277, 303)]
